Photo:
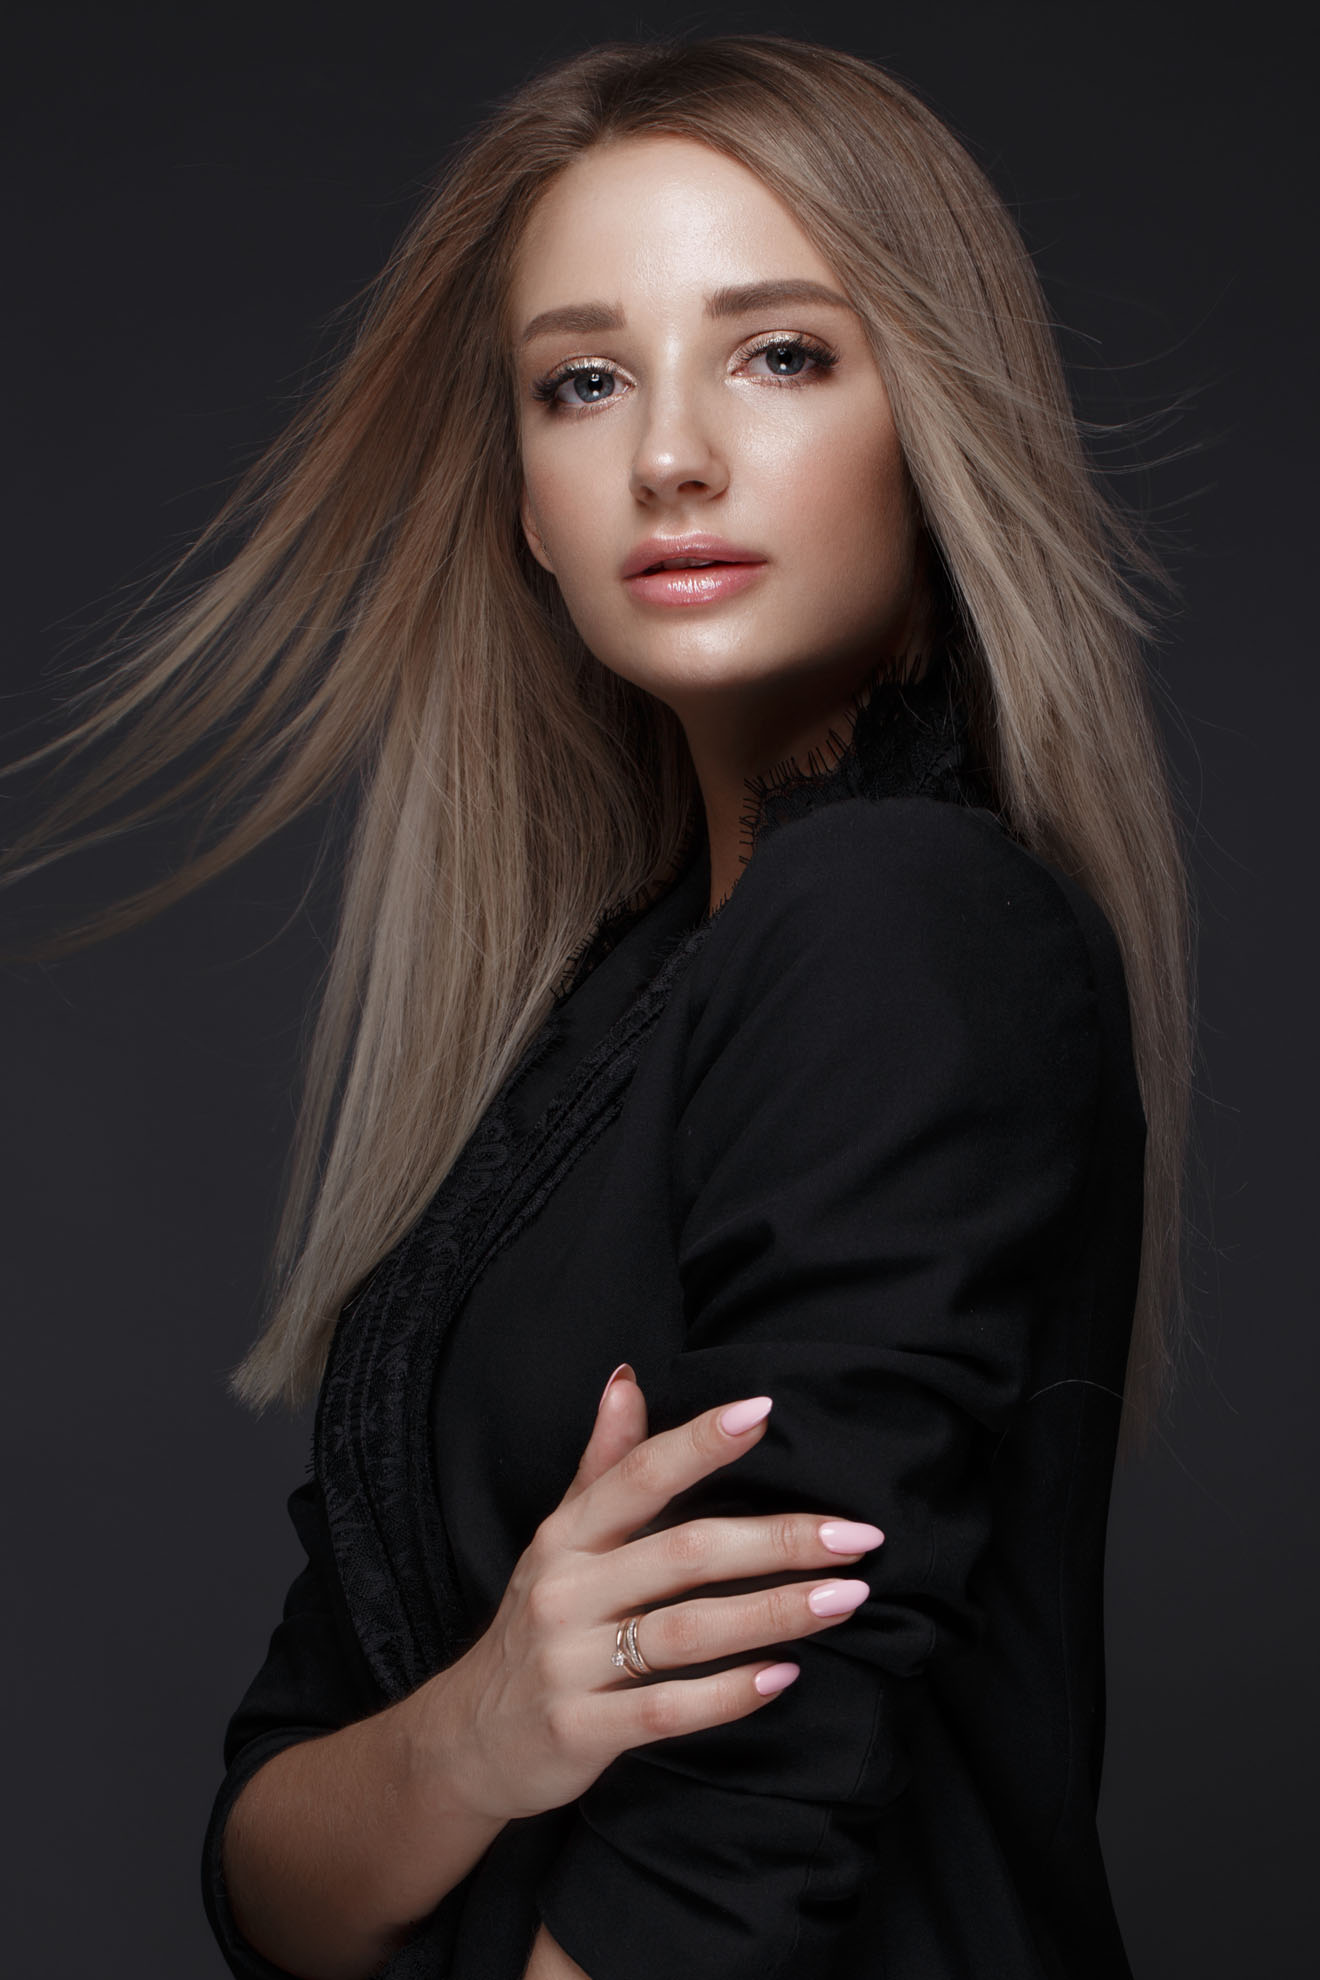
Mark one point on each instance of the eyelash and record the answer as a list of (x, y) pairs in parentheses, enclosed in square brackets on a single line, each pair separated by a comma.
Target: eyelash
[(821, 355)]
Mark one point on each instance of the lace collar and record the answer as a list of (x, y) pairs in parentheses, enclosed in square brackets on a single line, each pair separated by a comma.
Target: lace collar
[(903, 739)]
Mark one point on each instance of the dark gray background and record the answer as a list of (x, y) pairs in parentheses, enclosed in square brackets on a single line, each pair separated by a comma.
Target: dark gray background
[(192, 191)]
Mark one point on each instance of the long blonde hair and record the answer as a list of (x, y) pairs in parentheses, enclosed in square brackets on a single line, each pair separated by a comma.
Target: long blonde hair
[(381, 626)]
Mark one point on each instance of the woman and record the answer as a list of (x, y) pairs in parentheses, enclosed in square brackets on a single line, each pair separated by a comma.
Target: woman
[(766, 977)]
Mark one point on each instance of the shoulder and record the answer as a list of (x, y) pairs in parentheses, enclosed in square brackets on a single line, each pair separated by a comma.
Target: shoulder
[(896, 974), (869, 894)]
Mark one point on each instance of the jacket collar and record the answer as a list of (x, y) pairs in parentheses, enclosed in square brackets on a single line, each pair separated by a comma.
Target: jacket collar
[(904, 739)]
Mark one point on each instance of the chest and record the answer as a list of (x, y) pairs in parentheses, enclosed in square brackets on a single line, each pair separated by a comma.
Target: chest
[(590, 1281), (463, 1379)]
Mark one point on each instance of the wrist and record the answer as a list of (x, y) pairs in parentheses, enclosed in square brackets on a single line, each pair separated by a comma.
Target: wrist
[(441, 1764)]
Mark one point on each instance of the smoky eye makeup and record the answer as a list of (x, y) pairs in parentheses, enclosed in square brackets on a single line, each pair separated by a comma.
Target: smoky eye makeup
[(818, 358)]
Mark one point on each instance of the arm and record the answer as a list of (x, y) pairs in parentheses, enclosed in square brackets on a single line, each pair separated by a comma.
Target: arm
[(333, 1833), (339, 1847), (880, 1165)]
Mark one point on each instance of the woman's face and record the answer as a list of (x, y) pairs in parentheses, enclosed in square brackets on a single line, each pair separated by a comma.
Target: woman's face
[(667, 407)]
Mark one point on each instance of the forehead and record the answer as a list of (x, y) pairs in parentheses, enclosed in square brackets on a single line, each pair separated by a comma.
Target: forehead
[(655, 218)]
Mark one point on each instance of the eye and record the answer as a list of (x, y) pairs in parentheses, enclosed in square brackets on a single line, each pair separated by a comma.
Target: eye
[(597, 384), (793, 359)]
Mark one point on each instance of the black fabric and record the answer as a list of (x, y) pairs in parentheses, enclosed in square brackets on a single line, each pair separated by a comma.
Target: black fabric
[(868, 1140)]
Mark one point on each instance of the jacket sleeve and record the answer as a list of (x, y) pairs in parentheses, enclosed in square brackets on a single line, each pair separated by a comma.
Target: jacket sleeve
[(879, 1169), (307, 1686)]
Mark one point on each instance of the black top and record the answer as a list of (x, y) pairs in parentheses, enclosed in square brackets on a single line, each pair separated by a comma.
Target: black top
[(867, 1140)]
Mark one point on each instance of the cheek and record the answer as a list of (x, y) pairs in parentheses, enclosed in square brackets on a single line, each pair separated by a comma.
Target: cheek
[(844, 495), (567, 508)]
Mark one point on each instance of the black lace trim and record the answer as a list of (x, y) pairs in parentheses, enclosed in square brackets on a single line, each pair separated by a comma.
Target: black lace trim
[(905, 739), (615, 921), (372, 1439)]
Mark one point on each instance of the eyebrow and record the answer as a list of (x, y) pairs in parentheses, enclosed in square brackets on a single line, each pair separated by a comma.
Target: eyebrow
[(583, 319)]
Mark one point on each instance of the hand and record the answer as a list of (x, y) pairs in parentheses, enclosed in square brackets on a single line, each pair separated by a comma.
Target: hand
[(535, 1710)]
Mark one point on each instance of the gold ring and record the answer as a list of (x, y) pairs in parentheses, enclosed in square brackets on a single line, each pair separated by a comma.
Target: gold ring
[(626, 1654)]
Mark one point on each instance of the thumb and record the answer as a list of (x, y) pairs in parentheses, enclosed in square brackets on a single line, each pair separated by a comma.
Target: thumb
[(621, 1422)]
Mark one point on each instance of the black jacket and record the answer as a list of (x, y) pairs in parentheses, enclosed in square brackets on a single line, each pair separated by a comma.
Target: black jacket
[(868, 1140)]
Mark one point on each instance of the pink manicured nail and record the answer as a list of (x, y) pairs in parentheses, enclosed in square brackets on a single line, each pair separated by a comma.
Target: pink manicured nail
[(623, 1365), (849, 1536), (742, 1416), (837, 1597), (776, 1678)]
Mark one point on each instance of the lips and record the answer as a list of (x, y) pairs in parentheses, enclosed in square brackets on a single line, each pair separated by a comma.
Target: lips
[(709, 583), (687, 564), (683, 552)]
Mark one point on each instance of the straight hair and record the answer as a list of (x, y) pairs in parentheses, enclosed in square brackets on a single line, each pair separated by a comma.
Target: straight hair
[(381, 628)]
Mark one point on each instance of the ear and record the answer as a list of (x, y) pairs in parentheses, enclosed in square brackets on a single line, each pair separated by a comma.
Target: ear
[(532, 533)]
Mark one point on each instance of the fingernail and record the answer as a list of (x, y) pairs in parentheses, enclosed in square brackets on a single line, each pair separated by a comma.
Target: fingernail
[(624, 1368), (776, 1678), (837, 1597), (849, 1536), (742, 1416)]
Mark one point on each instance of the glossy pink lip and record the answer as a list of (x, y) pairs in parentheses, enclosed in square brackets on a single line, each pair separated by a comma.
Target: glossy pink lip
[(657, 548), (693, 587)]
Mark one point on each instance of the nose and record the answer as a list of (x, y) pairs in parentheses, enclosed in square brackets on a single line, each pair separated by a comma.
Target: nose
[(677, 453)]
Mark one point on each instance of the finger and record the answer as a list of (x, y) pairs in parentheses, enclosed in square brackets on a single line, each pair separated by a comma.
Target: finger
[(621, 1424), (635, 1714), (691, 1634), (732, 1555), (643, 1481)]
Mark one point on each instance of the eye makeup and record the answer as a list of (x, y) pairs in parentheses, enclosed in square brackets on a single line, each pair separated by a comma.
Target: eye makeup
[(820, 358)]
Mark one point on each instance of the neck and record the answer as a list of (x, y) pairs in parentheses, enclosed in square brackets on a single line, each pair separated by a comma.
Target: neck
[(742, 744), (741, 735), (731, 753)]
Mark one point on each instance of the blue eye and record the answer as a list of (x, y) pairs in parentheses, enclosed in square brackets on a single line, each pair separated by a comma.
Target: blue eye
[(591, 385), (598, 385), (791, 350), (789, 358)]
